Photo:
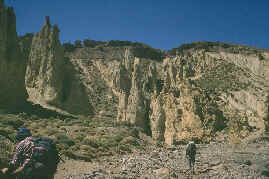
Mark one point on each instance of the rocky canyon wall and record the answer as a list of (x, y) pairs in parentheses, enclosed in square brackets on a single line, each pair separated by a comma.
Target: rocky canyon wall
[(204, 92), (200, 95), (50, 78), (12, 63)]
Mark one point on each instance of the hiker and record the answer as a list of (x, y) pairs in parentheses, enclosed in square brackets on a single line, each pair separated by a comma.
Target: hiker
[(30, 160), (23, 154), (190, 154)]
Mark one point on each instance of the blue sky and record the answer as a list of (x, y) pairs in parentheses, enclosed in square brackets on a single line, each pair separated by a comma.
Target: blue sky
[(163, 24)]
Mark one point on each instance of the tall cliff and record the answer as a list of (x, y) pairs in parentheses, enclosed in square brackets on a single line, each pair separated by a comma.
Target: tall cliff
[(203, 93), (214, 92), (12, 62), (51, 79), (200, 91)]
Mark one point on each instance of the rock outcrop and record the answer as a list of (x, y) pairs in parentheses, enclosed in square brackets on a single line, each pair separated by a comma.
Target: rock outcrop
[(12, 63), (50, 78), (212, 95), (44, 73), (197, 95), (131, 81)]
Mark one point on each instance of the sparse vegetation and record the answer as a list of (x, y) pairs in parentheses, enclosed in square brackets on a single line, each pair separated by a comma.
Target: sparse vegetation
[(140, 50), (222, 78), (148, 52), (69, 47), (215, 46), (83, 138), (25, 43), (89, 43), (6, 148), (63, 139), (93, 43), (78, 44), (118, 43)]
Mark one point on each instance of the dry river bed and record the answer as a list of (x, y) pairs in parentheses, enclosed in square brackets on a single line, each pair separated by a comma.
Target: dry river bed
[(215, 160)]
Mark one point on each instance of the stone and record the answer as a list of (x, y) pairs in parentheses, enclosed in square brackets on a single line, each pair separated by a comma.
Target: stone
[(174, 100), (13, 94), (161, 171), (51, 79)]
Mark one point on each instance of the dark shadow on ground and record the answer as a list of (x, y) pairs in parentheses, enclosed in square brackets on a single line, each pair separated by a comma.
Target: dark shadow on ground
[(34, 109)]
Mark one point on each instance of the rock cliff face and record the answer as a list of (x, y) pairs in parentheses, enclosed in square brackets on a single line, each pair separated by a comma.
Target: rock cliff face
[(44, 75), (12, 63), (203, 92), (198, 95), (214, 94), (50, 79)]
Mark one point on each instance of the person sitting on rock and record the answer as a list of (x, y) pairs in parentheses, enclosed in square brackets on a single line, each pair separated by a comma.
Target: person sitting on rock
[(190, 154)]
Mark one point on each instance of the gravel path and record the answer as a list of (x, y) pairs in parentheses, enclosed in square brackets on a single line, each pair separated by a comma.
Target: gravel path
[(213, 161)]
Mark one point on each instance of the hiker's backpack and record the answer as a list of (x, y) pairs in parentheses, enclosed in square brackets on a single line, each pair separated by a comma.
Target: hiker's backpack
[(45, 153), (191, 149)]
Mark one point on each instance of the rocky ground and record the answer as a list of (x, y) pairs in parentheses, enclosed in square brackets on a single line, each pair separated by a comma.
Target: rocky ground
[(215, 160)]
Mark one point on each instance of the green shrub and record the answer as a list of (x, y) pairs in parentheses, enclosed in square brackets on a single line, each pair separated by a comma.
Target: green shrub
[(208, 46), (73, 155), (78, 44), (5, 132), (51, 131), (148, 52), (105, 142), (14, 122), (80, 136), (63, 139), (125, 148), (119, 43), (123, 123), (89, 43), (90, 142), (25, 43), (69, 47), (118, 138), (76, 122), (134, 132), (93, 43), (6, 151), (34, 118), (130, 140)]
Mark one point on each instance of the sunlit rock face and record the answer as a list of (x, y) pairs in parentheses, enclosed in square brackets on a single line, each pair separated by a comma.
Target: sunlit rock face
[(214, 95), (196, 95), (12, 63)]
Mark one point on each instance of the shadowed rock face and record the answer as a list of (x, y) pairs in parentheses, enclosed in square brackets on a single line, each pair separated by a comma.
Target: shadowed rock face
[(44, 73), (12, 64), (50, 78)]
